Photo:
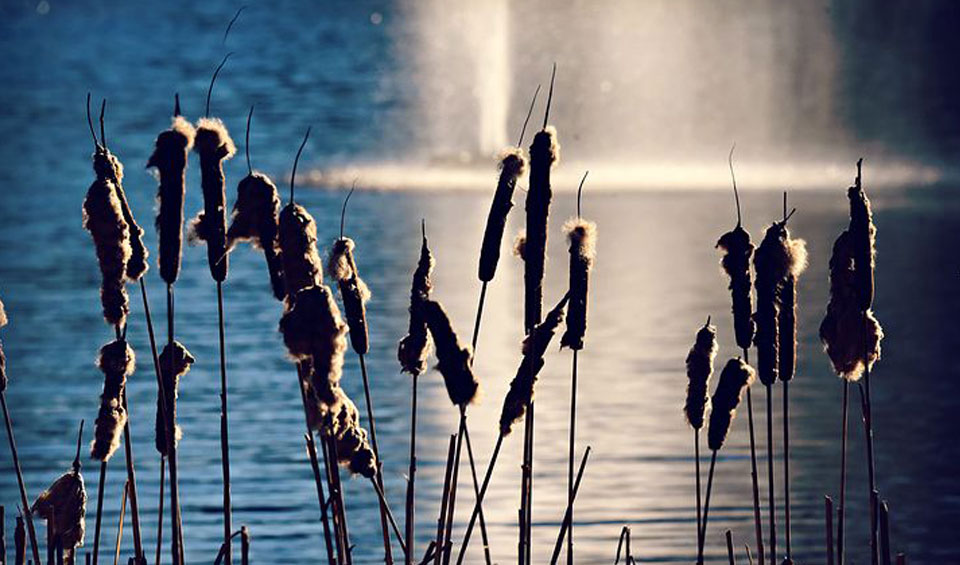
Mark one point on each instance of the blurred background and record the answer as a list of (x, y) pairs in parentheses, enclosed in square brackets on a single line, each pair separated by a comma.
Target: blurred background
[(414, 101)]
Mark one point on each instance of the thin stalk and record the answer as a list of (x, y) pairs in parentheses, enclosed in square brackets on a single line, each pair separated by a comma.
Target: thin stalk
[(378, 478), (476, 324), (96, 528), (393, 521), (131, 483), (874, 511), (441, 521), (163, 474), (871, 473), (224, 441), (901, 559), (341, 506), (754, 478), (163, 400), (730, 556), (571, 454), (337, 523), (568, 514), (23, 489), (843, 472), (454, 481), (696, 451), (177, 533), (244, 546), (884, 534), (770, 483), (786, 466), (476, 492), (706, 509), (483, 492), (315, 465), (410, 514), (828, 516), (123, 510)]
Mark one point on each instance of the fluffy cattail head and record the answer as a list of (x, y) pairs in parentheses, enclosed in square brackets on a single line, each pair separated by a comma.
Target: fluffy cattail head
[(170, 159), (353, 291), (582, 235), (512, 166), (787, 321), (255, 219), (863, 235), (543, 154), (117, 362), (771, 262), (738, 250), (103, 218), (175, 362), (699, 369), (302, 267), (455, 360), (545, 150), (353, 448), (415, 346), (64, 506), (521, 387), (108, 166), (736, 375), (213, 139), (214, 144)]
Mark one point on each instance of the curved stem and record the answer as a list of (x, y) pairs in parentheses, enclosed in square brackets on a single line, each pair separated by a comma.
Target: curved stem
[(23, 489)]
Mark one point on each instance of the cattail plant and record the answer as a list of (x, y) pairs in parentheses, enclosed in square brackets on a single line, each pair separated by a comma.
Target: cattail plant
[(255, 219), (64, 506), (13, 443), (734, 378), (738, 250), (771, 263), (581, 235), (214, 145), (412, 352), (699, 370), (544, 154), (518, 398), (851, 334), (175, 362), (787, 351), (170, 159)]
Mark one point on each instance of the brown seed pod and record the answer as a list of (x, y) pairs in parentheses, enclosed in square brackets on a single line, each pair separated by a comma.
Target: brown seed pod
[(544, 152), (848, 334), (415, 346), (174, 355), (353, 291), (302, 267), (170, 159), (108, 165), (455, 361), (64, 506), (214, 145), (787, 319), (699, 370), (353, 447), (521, 387), (512, 166), (582, 235), (117, 362), (863, 236), (771, 263), (255, 219), (736, 376), (738, 250), (103, 218)]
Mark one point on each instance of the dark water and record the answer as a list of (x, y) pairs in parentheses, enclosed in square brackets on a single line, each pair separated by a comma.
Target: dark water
[(656, 279)]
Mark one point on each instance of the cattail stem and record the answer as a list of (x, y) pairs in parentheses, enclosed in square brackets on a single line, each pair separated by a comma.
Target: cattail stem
[(874, 526), (96, 528), (884, 534), (476, 324), (384, 510), (224, 435), (871, 469), (454, 481), (754, 478), (843, 472), (410, 514), (483, 492), (786, 467), (176, 536), (730, 556), (131, 488), (315, 465), (138, 544), (770, 482), (163, 475), (696, 452), (568, 514), (20, 542), (526, 485), (444, 500), (332, 458), (828, 518), (123, 510), (23, 489), (337, 522), (573, 431), (244, 546), (476, 492), (390, 518), (706, 508)]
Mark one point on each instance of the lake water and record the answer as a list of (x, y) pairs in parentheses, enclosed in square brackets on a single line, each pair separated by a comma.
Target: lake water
[(656, 279)]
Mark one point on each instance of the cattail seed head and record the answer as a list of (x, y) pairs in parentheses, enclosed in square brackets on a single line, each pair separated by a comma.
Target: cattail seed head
[(521, 387), (107, 165), (353, 291), (255, 219), (353, 447), (736, 376), (699, 370), (117, 362), (455, 360), (415, 346), (512, 166), (298, 244), (175, 362), (582, 235), (64, 506), (103, 218), (544, 152), (863, 237), (738, 250), (771, 263), (787, 320), (170, 159), (214, 145)]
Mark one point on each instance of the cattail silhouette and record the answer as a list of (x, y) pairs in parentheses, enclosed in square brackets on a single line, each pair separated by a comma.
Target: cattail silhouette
[(302, 267), (117, 361), (170, 159), (582, 237), (771, 262), (415, 346), (353, 449), (534, 347), (455, 359), (738, 250), (787, 321), (175, 356), (863, 237), (544, 153), (512, 166), (255, 219), (214, 145), (103, 218), (699, 369), (343, 268), (735, 376), (64, 506)]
